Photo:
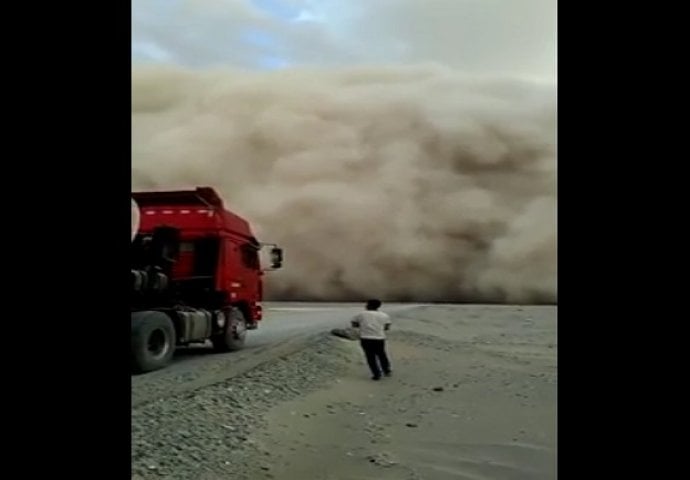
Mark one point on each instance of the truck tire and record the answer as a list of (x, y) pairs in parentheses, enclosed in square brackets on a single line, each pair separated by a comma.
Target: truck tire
[(153, 341), (234, 333)]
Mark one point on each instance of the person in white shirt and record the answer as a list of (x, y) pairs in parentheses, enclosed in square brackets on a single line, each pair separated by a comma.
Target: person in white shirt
[(372, 326)]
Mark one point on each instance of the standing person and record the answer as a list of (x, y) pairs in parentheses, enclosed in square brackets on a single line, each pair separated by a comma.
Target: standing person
[(372, 325)]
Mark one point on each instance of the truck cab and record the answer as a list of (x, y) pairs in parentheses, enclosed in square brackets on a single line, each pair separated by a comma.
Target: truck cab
[(198, 264)]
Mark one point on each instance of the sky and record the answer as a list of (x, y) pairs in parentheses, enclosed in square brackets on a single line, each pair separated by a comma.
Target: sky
[(495, 37)]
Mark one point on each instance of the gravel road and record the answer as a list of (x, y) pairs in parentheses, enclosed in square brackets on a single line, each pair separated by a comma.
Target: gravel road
[(473, 396), (191, 420)]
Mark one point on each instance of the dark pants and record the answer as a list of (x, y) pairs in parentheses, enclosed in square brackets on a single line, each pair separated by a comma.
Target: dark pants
[(375, 351)]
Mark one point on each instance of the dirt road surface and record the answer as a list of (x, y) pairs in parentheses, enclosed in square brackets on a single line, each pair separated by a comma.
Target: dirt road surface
[(473, 395), (286, 328)]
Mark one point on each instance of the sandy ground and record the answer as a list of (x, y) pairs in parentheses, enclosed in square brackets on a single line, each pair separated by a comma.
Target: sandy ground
[(473, 396)]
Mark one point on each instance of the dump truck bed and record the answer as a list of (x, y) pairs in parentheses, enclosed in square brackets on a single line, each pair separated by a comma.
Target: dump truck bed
[(189, 210)]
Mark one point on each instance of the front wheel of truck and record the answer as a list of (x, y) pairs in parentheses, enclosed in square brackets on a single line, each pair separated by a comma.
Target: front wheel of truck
[(233, 336)]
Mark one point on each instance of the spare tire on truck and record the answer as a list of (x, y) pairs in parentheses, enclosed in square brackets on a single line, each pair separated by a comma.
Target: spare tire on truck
[(153, 341)]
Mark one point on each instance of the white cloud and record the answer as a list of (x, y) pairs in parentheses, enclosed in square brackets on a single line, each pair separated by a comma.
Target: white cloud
[(477, 36), (148, 51)]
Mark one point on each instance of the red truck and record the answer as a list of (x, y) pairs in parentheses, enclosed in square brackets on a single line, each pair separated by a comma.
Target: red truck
[(196, 275)]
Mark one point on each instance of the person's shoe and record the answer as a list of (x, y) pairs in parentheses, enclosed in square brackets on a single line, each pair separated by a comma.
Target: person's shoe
[(376, 377), (388, 374)]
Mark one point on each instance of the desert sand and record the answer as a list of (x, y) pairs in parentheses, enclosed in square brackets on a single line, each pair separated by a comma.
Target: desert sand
[(472, 396)]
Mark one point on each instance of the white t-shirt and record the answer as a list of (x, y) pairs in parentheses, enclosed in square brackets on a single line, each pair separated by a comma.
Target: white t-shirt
[(372, 324)]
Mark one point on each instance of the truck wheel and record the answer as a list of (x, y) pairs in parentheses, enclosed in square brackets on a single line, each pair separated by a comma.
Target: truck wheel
[(153, 341), (234, 334)]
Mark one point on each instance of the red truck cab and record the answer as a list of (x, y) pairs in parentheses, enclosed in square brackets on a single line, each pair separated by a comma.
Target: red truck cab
[(207, 268)]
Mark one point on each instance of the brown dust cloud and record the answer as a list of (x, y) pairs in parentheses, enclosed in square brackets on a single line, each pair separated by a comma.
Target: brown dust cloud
[(405, 183)]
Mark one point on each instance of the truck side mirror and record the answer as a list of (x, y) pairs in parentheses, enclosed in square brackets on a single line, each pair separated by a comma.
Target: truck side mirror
[(276, 257)]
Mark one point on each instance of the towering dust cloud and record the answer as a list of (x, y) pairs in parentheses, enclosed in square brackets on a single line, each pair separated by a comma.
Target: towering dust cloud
[(416, 183)]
